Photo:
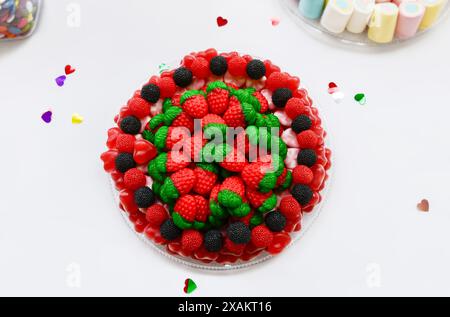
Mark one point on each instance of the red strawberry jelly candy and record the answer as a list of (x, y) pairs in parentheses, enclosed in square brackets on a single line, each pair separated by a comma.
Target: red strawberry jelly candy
[(144, 152), (295, 107), (237, 66), (277, 80), (134, 178), (261, 236), (109, 160), (167, 87), (139, 107), (155, 215), (126, 197), (125, 143), (191, 240), (302, 175), (279, 242), (290, 208), (200, 68), (112, 137), (307, 139)]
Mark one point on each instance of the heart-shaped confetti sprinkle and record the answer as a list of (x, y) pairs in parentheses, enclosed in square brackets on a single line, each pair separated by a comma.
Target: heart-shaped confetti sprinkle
[(47, 116), (77, 119), (332, 88), (424, 205), (189, 286), (361, 98), (332, 85), (221, 21), (163, 67), (60, 80), (275, 21), (69, 70), (338, 96)]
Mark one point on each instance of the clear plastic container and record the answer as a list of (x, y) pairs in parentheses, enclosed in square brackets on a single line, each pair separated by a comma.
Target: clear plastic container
[(18, 18), (315, 27)]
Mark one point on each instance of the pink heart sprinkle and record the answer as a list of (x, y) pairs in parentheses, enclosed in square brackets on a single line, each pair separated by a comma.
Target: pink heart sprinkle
[(275, 21)]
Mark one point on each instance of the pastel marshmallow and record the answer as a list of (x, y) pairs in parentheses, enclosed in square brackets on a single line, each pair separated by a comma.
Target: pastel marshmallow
[(290, 138), (237, 81), (433, 10), (156, 108), (312, 9), (291, 158), (283, 118), (362, 11), (383, 23), (336, 16), (410, 16)]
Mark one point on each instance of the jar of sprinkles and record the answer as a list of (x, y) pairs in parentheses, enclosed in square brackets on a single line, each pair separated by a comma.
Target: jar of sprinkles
[(18, 18)]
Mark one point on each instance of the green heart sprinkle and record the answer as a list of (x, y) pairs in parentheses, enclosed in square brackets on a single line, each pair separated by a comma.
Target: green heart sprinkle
[(360, 98)]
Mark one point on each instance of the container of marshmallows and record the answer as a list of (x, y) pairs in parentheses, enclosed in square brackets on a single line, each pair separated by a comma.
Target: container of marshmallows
[(369, 22)]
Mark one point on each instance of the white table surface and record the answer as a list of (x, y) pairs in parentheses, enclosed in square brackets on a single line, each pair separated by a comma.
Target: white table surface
[(58, 221)]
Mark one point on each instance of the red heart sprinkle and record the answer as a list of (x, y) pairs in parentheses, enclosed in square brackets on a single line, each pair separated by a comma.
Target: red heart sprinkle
[(69, 70), (221, 21), (424, 205), (332, 85)]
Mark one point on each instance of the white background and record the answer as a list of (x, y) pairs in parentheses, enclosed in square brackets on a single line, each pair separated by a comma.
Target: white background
[(57, 208)]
